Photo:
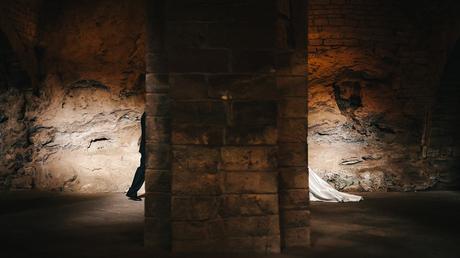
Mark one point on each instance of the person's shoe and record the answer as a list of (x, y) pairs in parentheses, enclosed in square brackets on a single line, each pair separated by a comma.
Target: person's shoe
[(134, 197)]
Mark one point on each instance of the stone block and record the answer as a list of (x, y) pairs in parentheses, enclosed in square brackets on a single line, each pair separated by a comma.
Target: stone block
[(188, 86), (292, 154), (196, 183), (241, 35), (158, 129), (157, 205), (251, 135), (192, 134), (293, 63), (158, 156), (295, 219), (195, 207), (293, 107), (293, 178), (294, 199), (251, 182), (195, 60), (254, 112), (249, 158), (292, 86), (195, 158), (157, 181), (199, 112), (157, 234), (156, 62), (249, 205), (157, 104), (253, 61), (243, 87), (189, 230), (252, 226), (186, 34), (292, 130), (156, 83)]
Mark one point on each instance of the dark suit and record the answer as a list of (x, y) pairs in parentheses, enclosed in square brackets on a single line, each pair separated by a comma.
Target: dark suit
[(139, 176)]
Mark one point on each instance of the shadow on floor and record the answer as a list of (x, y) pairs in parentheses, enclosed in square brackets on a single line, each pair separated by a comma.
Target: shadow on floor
[(108, 225)]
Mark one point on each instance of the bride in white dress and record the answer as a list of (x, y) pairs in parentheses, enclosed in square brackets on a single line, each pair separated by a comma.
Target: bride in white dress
[(321, 191)]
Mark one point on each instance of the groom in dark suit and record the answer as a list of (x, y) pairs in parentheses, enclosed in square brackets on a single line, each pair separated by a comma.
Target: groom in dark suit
[(139, 176)]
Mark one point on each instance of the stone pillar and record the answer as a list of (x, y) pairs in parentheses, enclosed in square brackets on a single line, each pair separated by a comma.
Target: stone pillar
[(223, 87), (237, 89), (292, 124), (158, 133)]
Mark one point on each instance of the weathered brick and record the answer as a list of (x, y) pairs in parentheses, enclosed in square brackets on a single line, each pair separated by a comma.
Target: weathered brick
[(157, 180), (186, 34), (237, 87), (251, 182), (291, 63), (293, 107), (196, 183), (292, 86), (156, 63), (292, 130), (251, 135), (200, 112), (157, 205), (157, 104), (252, 226), (254, 112), (294, 199), (196, 158), (157, 233), (198, 60), (190, 230), (158, 129), (156, 83), (293, 178), (252, 61), (190, 134), (190, 86), (241, 35), (158, 156), (195, 207), (248, 158), (295, 218), (292, 154), (249, 204)]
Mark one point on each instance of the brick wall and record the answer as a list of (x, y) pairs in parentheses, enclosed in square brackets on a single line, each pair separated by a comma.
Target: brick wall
[(214, 111)]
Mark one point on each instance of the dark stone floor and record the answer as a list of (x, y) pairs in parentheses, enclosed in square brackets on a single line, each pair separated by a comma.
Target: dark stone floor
[(424, 224)]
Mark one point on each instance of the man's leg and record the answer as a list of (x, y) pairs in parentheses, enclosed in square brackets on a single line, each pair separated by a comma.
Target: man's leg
[(138, 180)]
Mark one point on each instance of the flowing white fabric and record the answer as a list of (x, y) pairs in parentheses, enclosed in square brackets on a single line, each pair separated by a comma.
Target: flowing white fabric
[(321, 191)]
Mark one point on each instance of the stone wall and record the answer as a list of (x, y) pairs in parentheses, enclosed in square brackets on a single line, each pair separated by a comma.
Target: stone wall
[(443, 147), (214, 112), (82, 121), (374, 67)]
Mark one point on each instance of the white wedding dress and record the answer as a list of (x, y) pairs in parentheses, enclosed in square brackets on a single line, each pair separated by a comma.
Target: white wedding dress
[(321, 191)]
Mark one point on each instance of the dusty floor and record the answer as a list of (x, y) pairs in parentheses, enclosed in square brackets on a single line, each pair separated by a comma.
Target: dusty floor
[(424, 224)]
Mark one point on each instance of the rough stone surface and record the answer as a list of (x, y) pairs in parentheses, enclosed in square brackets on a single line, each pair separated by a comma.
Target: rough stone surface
[(374, 67), (78, 130)]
